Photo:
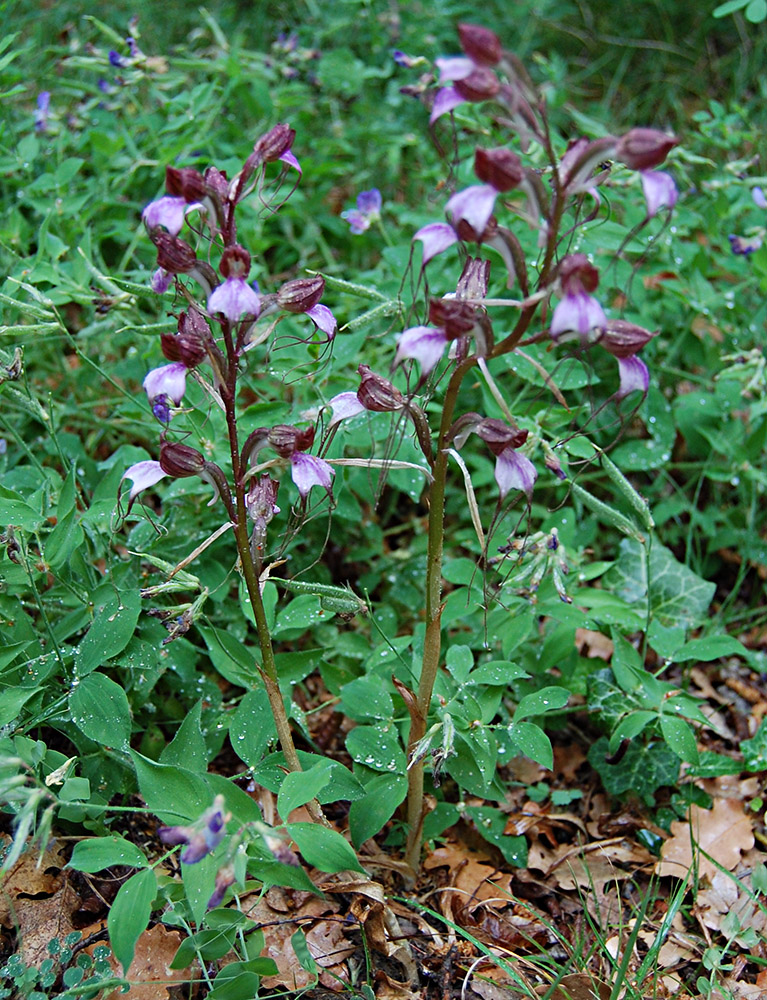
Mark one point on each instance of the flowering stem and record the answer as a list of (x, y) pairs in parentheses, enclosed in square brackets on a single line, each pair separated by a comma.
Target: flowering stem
[(433, 638), (268, 668)]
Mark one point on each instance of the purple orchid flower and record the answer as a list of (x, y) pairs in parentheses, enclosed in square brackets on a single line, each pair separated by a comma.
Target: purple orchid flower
[(426, 344), (578, 312), (160, 281), (308, 470), (660, 191), (367, 212), (143, 475), (634, 375), (344, 406), (234, 298), (168, 212), (514, 471), (165, 385)]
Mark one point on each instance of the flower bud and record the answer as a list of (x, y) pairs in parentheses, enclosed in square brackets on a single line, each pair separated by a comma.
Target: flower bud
[(173, 254), (474, 279), (623, 339), (500, 168), (377, 393), (287, 440), (217, 184), (300, 295), (185, 183), (180, 461), (454, 316), (274, 143), (577, 274), (479, 85), (235, 262), (188, 345), (644, 148), (261, 500), (480, 44)]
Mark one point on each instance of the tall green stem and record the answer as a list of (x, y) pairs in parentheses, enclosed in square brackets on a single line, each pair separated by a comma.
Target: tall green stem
[(433, 638)]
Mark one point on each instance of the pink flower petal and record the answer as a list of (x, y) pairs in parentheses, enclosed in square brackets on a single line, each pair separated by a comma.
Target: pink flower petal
[(323, 319), (514, 471), (436, 237), (580, 313), (345, 405), (659, 191), (445, 100), (454, 68), (289, 158), (424, 343), (234, 299), (634, 376), (167, 380), (308, 470), (474, 205), (143, 475)]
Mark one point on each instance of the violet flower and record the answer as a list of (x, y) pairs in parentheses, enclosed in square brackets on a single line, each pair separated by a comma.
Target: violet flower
[(323, 319), (292, 443), (308, 470), (202, 836), (344, 406), (41, 110), (161, 281), (744, 244), (224, 878), (514, 471), (367, 212)]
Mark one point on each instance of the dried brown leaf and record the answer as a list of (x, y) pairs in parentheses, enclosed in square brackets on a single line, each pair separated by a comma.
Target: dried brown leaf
[(721, 832), (150, 974)]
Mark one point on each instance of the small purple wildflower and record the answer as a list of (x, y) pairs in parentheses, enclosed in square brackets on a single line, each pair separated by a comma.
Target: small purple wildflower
[(578, 312), (202, 836), (758, 196), (514, 471), (367, 212), (41, 111), (161, 281), (116, 60), (744, 245)]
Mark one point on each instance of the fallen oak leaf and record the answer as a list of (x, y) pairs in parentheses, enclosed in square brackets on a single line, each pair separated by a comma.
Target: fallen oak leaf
[(720, 833)]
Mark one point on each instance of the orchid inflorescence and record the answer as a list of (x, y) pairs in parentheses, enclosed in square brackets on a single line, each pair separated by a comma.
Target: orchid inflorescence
[(228, 316)]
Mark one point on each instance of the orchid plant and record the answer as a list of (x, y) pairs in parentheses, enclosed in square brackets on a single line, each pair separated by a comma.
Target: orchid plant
[(228, 321)]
